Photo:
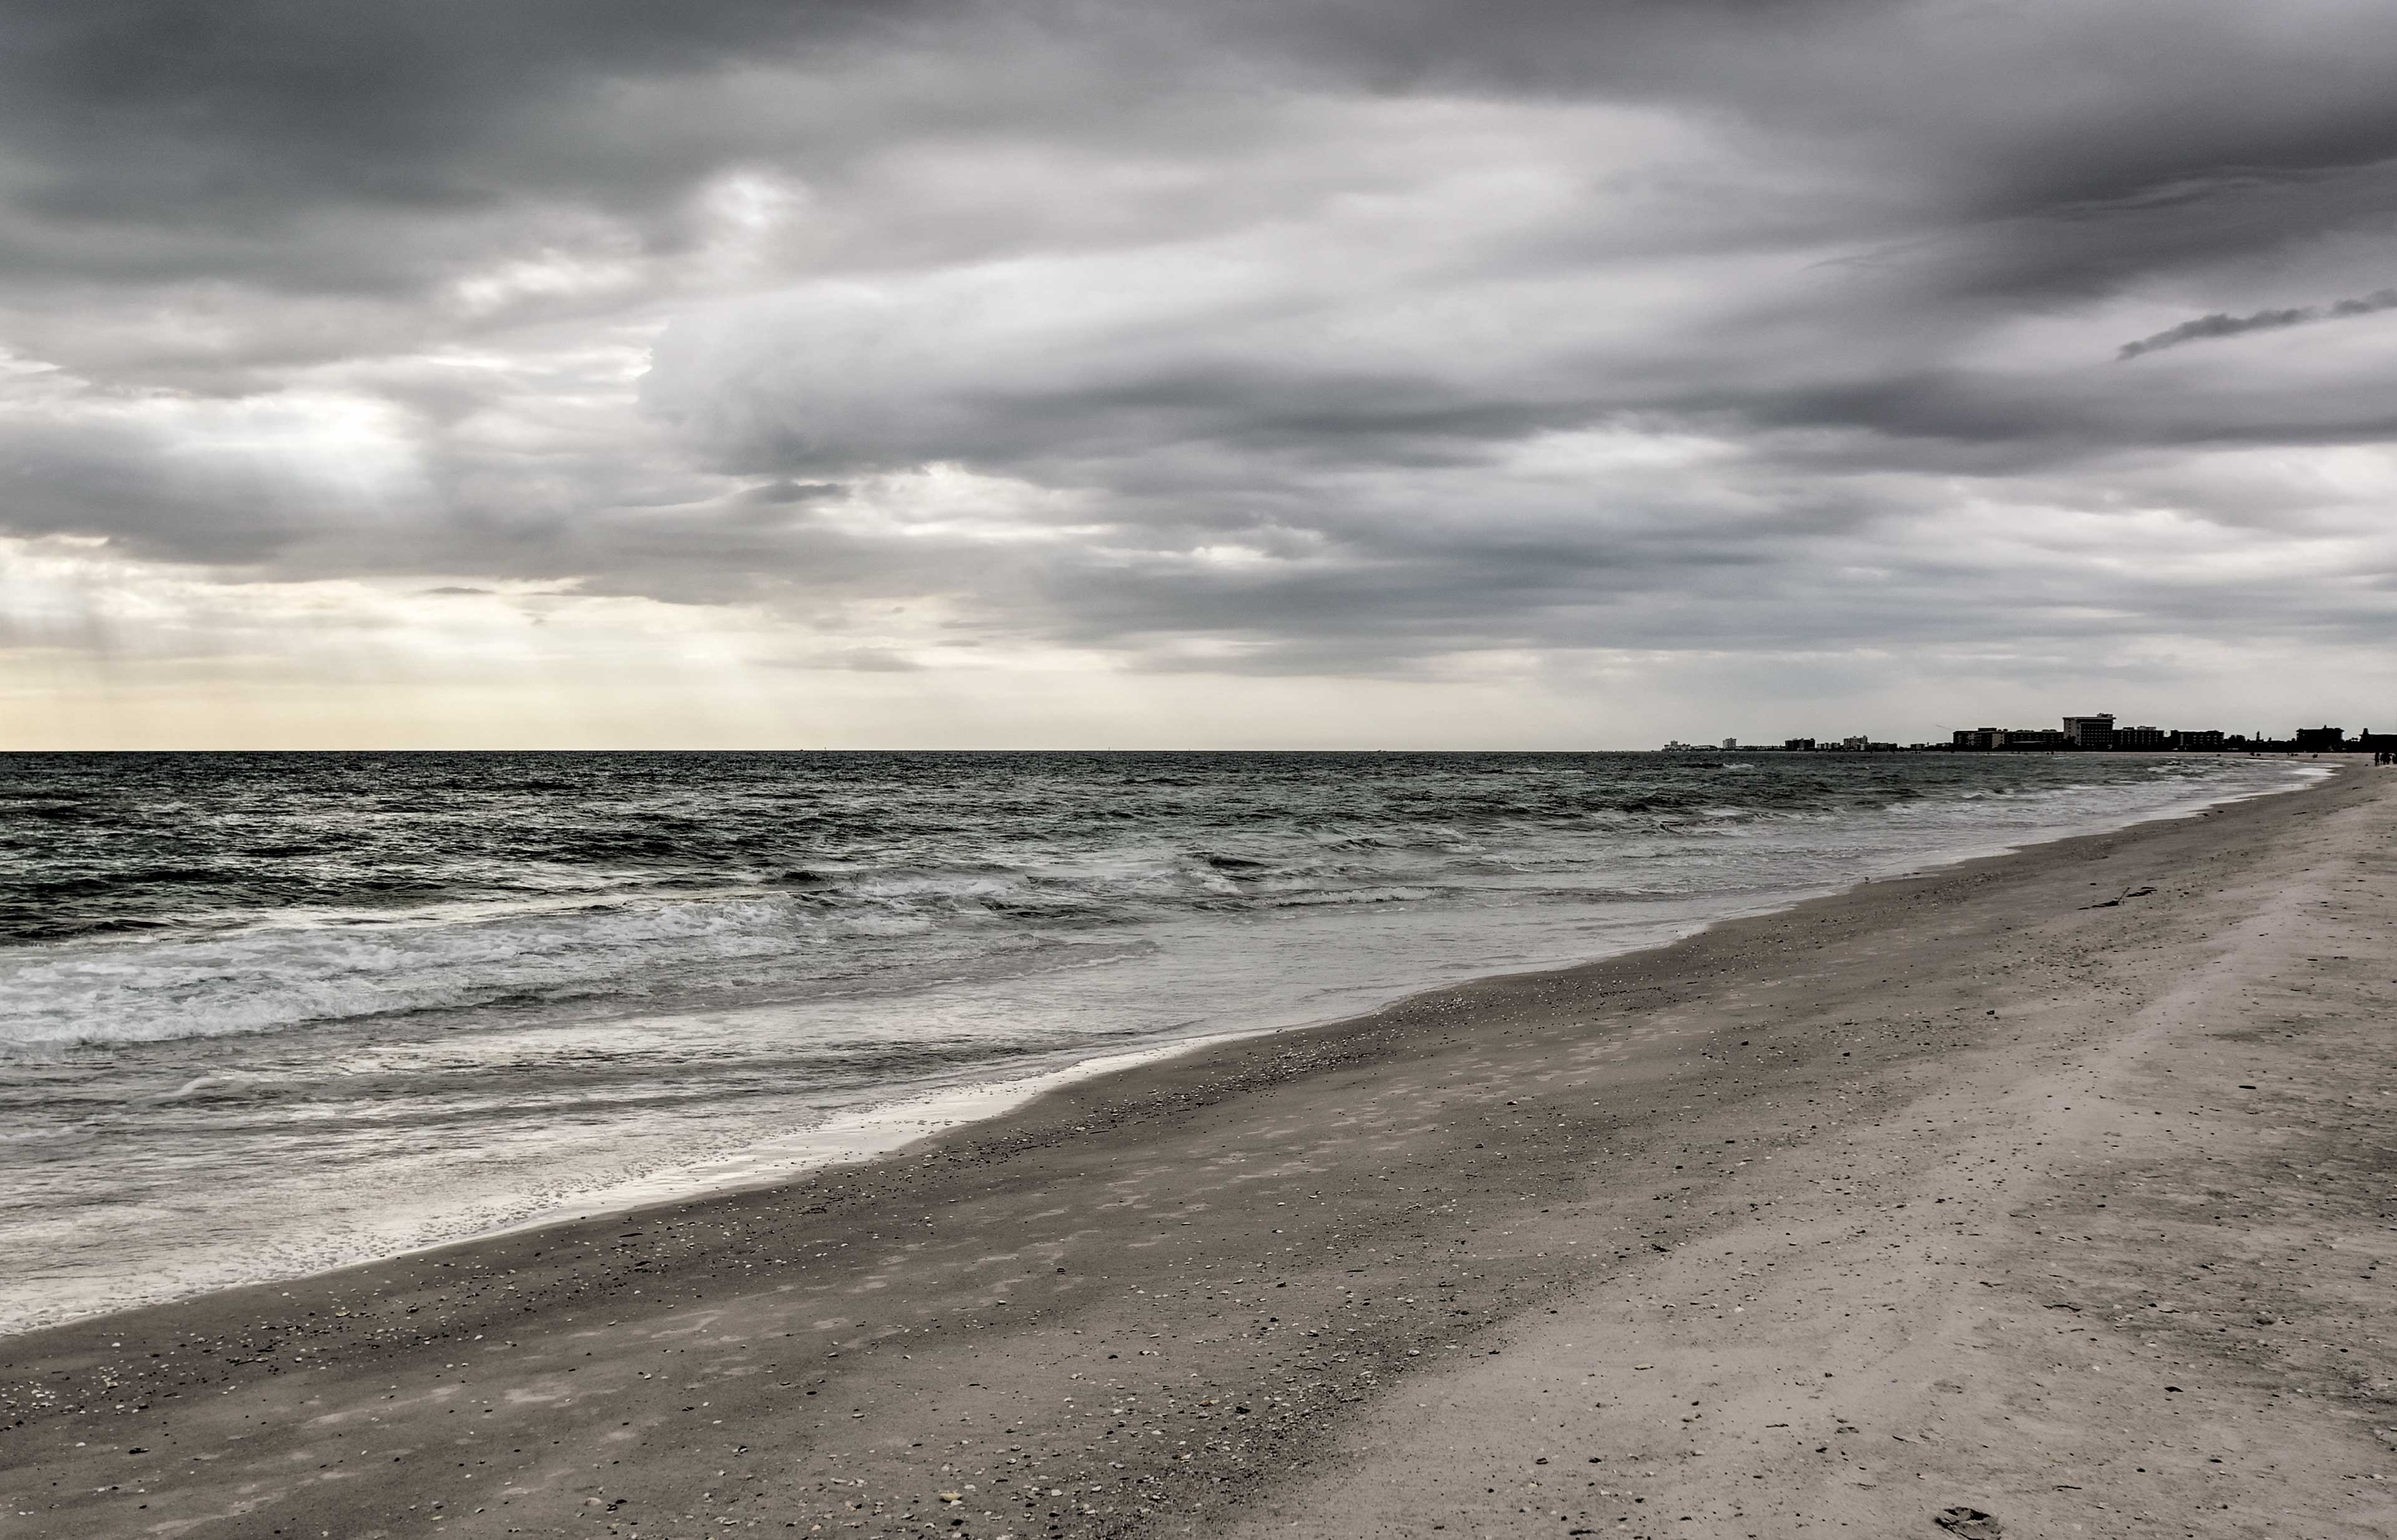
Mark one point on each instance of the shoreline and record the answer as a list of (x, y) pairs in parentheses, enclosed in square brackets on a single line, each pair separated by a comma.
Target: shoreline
[(880, 1130), (972, 1277)]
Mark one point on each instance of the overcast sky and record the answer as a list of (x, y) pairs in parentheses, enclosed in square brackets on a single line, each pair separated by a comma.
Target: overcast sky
[(1307, 372)]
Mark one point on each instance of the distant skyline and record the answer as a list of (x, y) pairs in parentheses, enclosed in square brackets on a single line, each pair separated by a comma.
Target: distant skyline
[(1018, 373)]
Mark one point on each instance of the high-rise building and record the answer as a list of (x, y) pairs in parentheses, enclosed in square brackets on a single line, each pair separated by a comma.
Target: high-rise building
[(2090, 732)]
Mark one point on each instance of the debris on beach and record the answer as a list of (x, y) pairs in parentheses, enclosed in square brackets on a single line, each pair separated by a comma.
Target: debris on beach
[(1969, 1523)]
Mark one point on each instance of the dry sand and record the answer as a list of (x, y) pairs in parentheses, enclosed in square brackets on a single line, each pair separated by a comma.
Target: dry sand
[(2055, 1187)]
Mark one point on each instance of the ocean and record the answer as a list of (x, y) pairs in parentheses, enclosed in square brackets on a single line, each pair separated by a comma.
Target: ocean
[(265, 1014)]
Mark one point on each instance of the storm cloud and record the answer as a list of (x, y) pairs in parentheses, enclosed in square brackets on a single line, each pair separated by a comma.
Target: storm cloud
[(1304, 340)]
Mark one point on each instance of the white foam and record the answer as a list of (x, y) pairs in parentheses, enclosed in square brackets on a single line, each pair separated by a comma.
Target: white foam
[(407, 1223), (850, 1137)]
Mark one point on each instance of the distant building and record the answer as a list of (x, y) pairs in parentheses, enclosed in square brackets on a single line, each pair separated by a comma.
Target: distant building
[(2090, 732), (1731, 742), (2009, 738), (2211, 738), (1857, 743), (2141, 738), (2315, 739), (1798, 744)]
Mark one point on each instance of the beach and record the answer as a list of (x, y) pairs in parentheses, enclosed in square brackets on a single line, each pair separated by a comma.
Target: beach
[(2054, 1186), (264, 1016)]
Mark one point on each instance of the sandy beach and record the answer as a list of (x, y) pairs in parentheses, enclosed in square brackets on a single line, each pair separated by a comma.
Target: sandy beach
[(2056, 1186)]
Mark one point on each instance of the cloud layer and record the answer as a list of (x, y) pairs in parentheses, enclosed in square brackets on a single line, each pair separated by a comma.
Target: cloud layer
[(1589, 347)]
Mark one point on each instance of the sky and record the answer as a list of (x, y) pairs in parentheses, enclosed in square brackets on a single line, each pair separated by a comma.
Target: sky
[(1271, 374)]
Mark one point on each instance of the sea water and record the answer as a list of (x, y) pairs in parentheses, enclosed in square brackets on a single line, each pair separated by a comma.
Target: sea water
[(264, 1014)]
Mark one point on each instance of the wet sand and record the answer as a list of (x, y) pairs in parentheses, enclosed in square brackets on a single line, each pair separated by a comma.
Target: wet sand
[(2058, 1186)]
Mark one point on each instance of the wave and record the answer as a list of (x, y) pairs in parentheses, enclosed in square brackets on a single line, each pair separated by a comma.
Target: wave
[(277, 978), (814, 927)]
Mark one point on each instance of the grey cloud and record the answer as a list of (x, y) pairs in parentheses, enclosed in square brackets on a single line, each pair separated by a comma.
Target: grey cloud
[(358, 148), (126, 482), (215, 114), (784, 491), (2221, 325), (1283, 326)]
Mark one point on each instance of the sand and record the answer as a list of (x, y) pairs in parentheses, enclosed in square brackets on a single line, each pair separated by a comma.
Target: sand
[(2056, 1187)]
